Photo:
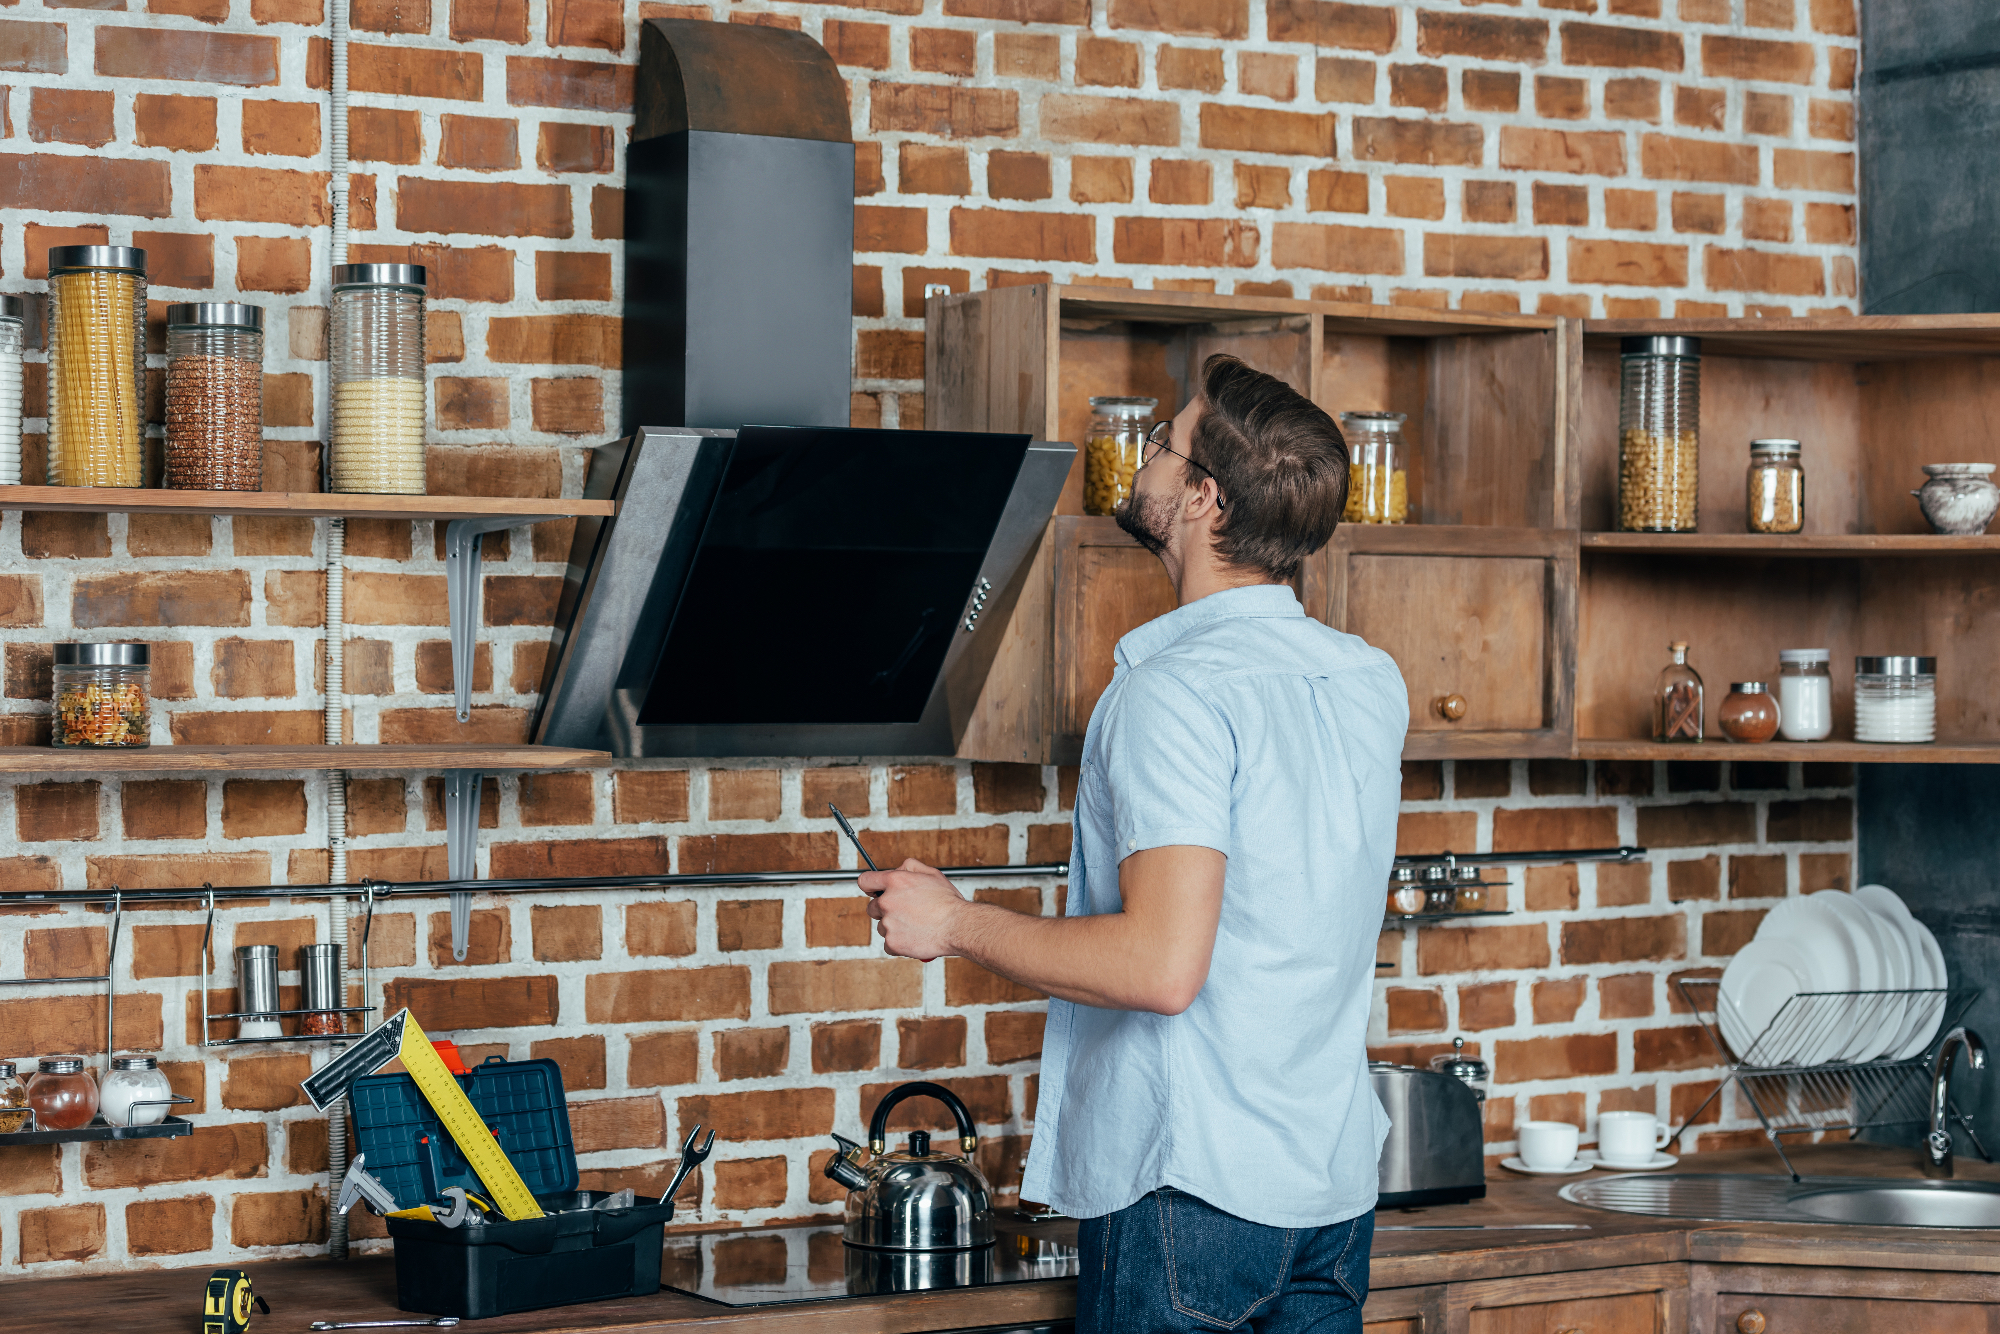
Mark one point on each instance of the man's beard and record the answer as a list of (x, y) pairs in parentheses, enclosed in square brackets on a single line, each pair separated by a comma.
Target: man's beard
[(1148, 520)]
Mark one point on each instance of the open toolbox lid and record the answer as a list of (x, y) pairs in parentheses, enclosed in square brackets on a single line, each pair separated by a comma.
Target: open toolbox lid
[(410, 1152)]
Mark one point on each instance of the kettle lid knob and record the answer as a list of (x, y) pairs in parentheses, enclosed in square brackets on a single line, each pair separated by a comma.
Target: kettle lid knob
[(920, 1143)]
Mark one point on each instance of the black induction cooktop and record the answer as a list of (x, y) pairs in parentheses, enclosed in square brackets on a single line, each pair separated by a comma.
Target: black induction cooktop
[(779, 1265)]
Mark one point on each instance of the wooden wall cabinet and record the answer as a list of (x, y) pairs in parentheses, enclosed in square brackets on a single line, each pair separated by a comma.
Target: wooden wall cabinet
[(1636, 1299), (1796, 1299)]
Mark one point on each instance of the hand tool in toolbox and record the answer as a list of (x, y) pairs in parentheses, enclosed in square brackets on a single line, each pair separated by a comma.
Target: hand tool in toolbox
[(359, 1187), (402, 1037), (691, 1158), (226, 1303)]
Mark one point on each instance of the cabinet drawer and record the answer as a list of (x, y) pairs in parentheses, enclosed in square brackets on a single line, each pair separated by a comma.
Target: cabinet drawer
[(1736, 1313), (1625, 1313), (1473, 628)]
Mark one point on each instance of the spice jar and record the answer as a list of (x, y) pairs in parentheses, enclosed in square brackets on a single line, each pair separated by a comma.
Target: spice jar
[(1406, 896), (1805, 694), (1438, 895), (1118, 429), (1468, 893), (13, 1100), (1659, 434), (62, 1093), (13, 313), (102, 695), (1677, 699), (1775, 490), (97, 364), (1895, 699), (215, 396), (377, 333), (1378, 479), (133, 1081), (1749, 713), (319, 968), (257, 992)]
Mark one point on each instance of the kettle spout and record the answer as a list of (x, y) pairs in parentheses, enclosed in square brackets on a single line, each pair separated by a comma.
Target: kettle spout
[(845, 1166)]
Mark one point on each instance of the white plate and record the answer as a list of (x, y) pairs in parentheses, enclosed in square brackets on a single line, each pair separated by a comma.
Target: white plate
[(1577, 1165), (1812, 1032), (1660, 1160), (1898, 952), (1929, 1009), (1865, 1021), (1755, 986)]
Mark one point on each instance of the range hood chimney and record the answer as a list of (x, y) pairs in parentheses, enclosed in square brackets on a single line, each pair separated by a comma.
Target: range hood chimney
[(739, 230)]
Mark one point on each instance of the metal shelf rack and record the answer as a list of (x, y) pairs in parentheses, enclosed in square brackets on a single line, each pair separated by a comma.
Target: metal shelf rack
[(1831, 1095)]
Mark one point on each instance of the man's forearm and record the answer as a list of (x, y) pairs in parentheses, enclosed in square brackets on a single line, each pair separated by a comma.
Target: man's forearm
[(1090, 960)]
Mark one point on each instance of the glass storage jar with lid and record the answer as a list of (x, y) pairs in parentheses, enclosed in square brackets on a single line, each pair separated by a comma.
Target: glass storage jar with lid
[(135, 1093), (103, 695), (1378, 478), (215, 396), (62, 1093), (13, 314), (1659, 434), (1677, 699), (1775, 488), (1118, 429), (13, 1100), (97, 364), (377, 344), (1805, 694), (1895, 699)]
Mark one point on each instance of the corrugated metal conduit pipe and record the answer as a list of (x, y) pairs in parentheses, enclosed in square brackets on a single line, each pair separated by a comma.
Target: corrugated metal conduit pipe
[(336, 631)]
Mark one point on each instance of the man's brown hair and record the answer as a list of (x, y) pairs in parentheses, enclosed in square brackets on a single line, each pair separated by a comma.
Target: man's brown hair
[(1279, 461)]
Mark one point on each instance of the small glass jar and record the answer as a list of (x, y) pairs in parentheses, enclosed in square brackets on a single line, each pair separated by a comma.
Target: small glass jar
[(1467, 893), (1895, 700), (62, 1093), (1805, 694), (1659, 434), (215, 396), (1749, 713), (14, 1113), (13, 315), (1118, 429), (1378, 477), (103, 695), (135, 1080), (97, 364), (1775, 489), (1677, 703), (377, 345), (1438, 894), (1406, 896)]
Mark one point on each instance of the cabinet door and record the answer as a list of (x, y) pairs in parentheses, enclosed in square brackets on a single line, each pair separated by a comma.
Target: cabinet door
[(1835, 1299), (1481, 622), (1105, 585), (1626, 1313), (1641, 1299)]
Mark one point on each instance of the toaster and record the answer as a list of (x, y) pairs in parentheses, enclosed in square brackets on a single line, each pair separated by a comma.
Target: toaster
[(1436, 1150)]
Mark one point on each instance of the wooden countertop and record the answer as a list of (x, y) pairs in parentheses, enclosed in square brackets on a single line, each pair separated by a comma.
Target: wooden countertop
[(300, 1291)]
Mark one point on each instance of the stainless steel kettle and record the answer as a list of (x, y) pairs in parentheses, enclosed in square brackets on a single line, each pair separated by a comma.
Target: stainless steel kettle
[(919, 1199)]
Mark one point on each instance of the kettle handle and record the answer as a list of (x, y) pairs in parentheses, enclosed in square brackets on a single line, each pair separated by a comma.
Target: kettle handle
[(878, 1128)]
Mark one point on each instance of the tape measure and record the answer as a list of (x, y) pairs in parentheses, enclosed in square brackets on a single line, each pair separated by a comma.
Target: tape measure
[(225, 1304), (454, 1111)]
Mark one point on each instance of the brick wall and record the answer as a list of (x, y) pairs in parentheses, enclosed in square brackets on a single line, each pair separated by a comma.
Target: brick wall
[(1603, 157)]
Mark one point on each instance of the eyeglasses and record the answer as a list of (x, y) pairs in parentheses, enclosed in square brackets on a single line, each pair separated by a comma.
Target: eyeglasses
[(1156, 445)]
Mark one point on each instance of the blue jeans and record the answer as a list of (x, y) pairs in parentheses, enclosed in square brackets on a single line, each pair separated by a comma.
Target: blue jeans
[(1173, 1264)]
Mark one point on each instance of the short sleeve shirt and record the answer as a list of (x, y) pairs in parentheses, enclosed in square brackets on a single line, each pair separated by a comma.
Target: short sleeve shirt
[(1236, 723)]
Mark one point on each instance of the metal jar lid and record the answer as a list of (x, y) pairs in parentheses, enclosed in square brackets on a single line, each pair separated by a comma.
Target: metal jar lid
[(1660, 345), (1896, 665), (1458, 1065), (1774, 446), (103, 655), (13, 307), (1749, 688), (6, 1069), (60, 1065), (135, 1063), (1804, 655), (1435, 875), (378, 275), (1403, 875), (220, 314), (65, 257), (1375, 421)]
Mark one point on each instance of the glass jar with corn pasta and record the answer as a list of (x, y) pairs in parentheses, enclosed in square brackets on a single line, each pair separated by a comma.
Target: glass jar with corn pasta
[(1659, 434), (1378, 478), (97, 364), (1118, 429), (377, 337)]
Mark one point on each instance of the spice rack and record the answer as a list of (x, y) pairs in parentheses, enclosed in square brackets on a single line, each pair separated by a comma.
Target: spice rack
[(1451, 861), (208, 1038)]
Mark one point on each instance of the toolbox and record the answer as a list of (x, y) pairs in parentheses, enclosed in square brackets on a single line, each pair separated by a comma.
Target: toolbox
[(574, 1253)]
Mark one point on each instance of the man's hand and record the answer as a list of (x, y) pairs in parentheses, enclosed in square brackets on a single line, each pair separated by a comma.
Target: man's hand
[(915, 909)]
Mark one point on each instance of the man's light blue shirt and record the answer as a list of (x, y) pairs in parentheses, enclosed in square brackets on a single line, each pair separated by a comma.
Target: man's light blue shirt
[(1236, 723)]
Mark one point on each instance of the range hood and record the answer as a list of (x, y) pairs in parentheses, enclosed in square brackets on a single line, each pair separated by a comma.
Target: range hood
[(789, 591)]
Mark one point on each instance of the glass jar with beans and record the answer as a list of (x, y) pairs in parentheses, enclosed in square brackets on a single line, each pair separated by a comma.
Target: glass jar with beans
[(215, 396), (1659, 434)]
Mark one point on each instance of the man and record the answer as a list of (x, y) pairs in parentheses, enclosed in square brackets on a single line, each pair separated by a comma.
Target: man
[(1205, 1105)]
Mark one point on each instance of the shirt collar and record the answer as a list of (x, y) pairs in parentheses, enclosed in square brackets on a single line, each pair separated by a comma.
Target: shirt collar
[(1163, 632)]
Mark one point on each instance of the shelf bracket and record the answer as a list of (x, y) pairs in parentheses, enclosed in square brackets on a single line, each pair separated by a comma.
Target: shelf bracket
[(461, 578), (461, 841)]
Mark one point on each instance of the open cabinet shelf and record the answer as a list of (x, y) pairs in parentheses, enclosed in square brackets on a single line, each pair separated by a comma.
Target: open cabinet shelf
[(295, 504), (221, 759)]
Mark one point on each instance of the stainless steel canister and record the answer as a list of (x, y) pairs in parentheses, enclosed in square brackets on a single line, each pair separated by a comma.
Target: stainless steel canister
[(256, 979), (320, 965)]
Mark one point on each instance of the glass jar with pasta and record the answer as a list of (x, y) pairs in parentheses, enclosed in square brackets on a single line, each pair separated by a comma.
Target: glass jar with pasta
[(1659, 434), (103, 695), (97, 364), (1118, 429), (377, 328), (1378, 479)]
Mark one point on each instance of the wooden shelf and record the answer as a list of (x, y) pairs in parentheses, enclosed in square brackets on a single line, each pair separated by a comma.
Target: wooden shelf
[(1781, 752), (1851, 338), (302, 504), (231, 759), (1796, 544)]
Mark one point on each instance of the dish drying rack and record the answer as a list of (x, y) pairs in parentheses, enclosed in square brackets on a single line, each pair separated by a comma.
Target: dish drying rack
[(1830, 1095)]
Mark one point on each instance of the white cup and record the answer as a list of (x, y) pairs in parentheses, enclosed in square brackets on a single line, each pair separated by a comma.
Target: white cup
[(1547, 1146), (1629, 1139)]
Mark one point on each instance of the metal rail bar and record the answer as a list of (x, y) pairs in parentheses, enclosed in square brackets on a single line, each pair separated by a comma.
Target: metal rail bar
[(1553, 858)]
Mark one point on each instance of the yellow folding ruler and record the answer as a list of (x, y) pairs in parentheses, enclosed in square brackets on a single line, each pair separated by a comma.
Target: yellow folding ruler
[(401, 1037)]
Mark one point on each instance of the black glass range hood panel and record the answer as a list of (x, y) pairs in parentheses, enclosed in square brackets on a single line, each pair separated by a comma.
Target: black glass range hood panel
[(871, 540)]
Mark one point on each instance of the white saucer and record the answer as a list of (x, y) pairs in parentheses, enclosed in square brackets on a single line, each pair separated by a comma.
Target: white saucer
[(1660, 1160), (1577, 1165)]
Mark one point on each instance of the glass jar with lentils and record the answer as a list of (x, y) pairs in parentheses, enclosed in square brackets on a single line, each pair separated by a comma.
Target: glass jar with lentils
[(215, 396)]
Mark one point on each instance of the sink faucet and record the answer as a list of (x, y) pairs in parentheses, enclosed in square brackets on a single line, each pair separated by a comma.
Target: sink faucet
[(1937, 1145)]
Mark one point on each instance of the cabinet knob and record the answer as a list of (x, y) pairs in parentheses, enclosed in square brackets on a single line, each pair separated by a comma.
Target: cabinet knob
[(1752, 1322), (1450, 707)]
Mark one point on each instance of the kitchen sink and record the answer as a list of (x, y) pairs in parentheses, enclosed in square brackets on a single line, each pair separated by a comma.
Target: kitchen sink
[(1867, 1201)]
